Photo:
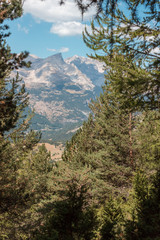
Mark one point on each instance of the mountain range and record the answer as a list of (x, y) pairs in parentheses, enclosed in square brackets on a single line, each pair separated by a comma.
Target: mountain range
[(60, 91)]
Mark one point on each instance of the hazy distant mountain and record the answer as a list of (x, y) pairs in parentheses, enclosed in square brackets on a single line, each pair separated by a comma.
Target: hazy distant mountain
[(60, 91), (90, 67)]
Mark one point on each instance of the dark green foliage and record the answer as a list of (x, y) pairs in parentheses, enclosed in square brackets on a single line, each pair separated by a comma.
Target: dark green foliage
[(10, 9), (82, 142), (13, 98), (112, 217), (122, 133), (72, 199), (24, 174), (72, 216), (132, 79), (12, 103), (148, 140), (112, 142), (103, 143), (146, 217)]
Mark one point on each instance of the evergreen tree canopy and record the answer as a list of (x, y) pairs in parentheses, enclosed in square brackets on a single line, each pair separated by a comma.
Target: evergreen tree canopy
[(137, 74), (110, 5), (146, 215), (111, 142), (13, 98), (122, 132), (143, 20), (25, 170)]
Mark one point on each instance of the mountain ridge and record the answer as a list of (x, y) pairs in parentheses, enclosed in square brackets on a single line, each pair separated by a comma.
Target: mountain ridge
[(60, 90)]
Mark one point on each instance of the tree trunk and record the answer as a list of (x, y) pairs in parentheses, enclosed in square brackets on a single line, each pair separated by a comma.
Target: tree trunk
[(130, 139)]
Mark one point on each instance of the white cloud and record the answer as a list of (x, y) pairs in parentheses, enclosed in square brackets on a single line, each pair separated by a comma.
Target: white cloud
[(67, 28), (51, 50), (62, 50), (24, 29), (66, 18), (51, 11)]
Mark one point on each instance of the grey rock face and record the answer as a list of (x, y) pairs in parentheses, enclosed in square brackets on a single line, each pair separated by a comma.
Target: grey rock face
[(60, 91)]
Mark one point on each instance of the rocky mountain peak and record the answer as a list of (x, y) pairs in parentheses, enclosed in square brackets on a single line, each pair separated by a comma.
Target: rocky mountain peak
[(60, 91), (55, 59)]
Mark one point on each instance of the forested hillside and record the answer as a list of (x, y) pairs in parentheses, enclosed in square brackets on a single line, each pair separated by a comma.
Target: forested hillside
[(108, 184)]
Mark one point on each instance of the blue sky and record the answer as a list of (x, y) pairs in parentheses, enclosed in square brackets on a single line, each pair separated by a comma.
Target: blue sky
[(47, 28)]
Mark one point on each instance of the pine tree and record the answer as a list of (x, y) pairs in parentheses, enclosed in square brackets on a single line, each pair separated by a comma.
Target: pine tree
[(70, 213), (19, 160), (146, 216), (81, 143), (139, 26), (112, 144), (135, 84), (103, 145), (141, 81), (13, 98), (112, 219), (125, 120)]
